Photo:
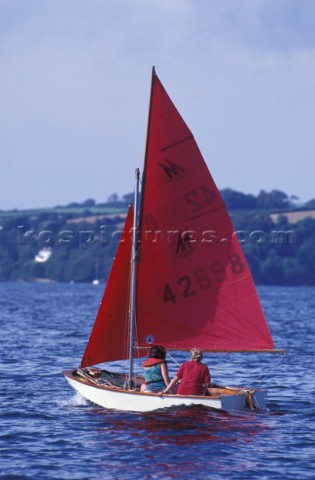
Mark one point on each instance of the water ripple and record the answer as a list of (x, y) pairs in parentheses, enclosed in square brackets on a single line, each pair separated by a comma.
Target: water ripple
[(48, 432)]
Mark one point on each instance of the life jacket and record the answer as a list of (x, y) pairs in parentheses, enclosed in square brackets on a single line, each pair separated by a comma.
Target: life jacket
[(149, 362)]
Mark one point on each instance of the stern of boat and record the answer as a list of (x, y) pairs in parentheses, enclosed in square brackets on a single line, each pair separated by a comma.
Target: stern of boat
[(238, 398)]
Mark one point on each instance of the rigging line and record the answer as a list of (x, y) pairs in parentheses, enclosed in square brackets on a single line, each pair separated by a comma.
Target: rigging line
[(172, 358), (268, 372)]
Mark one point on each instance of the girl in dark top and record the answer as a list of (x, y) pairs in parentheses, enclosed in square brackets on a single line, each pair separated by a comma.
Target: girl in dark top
[(155, 371)]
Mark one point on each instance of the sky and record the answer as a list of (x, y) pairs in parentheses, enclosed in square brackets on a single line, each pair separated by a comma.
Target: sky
[(74, 90)]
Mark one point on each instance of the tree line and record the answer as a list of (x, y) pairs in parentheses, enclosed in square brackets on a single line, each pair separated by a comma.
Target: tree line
[(81, 249)]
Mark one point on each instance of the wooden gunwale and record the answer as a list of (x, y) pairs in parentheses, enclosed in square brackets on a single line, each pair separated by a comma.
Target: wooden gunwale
[(221, 391)]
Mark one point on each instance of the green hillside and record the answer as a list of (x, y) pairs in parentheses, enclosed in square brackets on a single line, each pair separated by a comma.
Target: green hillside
[(77, 243)]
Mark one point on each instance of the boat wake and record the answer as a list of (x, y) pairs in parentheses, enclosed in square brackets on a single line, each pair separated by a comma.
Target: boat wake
[(75, 400)]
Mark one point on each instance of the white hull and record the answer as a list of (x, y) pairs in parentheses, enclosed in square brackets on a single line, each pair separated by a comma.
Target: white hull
[(144, 402)]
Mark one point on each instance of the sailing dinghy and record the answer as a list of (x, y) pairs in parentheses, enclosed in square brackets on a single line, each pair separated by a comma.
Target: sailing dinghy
[(179, 278)]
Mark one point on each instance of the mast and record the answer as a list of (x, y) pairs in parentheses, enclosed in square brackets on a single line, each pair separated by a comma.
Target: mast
[(133, 276), (135, 235)]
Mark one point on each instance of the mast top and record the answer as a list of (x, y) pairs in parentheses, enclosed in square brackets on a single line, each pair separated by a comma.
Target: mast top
[(153, 71)]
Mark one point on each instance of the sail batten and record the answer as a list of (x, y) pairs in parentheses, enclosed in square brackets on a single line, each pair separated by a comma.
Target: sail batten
[(190, 137)]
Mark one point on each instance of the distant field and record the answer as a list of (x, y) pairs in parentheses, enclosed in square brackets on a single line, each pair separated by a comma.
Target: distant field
[(83, 211), (91, 214), (93, 218), (294, 217)]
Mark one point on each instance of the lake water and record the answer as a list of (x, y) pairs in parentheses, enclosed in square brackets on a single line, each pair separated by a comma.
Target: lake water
[(49, 432)]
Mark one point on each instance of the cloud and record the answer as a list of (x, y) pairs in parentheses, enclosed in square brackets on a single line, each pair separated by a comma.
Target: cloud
[(281, 25), (75, 80)]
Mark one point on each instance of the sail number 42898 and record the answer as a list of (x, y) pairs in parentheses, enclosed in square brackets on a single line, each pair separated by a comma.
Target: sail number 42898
[(202, 279)]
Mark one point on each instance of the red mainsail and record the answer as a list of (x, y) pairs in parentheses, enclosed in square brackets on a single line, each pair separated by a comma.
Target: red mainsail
[(109, 338), (194, 288)]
